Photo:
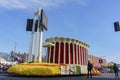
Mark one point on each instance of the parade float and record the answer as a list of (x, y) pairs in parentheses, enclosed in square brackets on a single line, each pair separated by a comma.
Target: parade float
[(48, 69), (65, 56)]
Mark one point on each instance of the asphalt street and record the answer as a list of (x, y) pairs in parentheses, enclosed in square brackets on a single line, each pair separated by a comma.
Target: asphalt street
[(106, 76)]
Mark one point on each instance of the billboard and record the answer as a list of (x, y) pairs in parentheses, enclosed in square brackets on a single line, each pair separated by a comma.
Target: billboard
[(43, 21), (30, 25)]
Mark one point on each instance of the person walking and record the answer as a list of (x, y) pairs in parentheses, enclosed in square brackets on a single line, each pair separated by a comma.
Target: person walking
[(89, 69), (115, 68)]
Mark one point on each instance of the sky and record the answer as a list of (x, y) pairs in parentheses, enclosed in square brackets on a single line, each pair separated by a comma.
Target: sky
[(90, 21)]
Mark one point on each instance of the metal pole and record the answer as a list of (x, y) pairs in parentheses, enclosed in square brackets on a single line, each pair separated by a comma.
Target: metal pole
[(31, 40), (40, 44), (37, 41), (39, 38)]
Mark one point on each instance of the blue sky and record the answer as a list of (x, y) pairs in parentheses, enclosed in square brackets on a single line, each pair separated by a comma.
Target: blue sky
[(90, 21)]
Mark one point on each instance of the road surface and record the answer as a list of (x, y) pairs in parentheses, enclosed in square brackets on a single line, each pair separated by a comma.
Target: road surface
[(105, 76)]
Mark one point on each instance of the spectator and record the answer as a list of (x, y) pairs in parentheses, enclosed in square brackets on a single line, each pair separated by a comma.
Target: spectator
[(89, 68), (115, 68)]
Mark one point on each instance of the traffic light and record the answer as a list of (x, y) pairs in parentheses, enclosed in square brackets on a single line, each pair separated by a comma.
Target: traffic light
[(116, 26)]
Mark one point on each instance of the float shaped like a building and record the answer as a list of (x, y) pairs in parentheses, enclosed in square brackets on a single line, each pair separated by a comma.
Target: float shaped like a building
[(70, 51), (67, 51)]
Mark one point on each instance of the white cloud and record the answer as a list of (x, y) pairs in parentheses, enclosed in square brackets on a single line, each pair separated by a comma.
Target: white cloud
[(9, 4), (49, 3), (25, 4)]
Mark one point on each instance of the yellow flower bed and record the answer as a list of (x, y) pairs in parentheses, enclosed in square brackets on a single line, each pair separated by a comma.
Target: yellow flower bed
[(35, 69), (40, 69)]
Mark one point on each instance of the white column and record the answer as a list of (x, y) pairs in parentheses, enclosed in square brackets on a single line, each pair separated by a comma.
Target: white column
[(73, 55), (46, 54), (87, 55), (50, 54), (77, 53), (81, 55), (64, 53), (37, 42), (40, 32), (54, 53), (32, 40), (59, 53), (84, 56), (40, 45), (69, 51)]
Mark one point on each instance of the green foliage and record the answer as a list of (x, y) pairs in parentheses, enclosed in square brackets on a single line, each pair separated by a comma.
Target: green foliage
[(78, 69)]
